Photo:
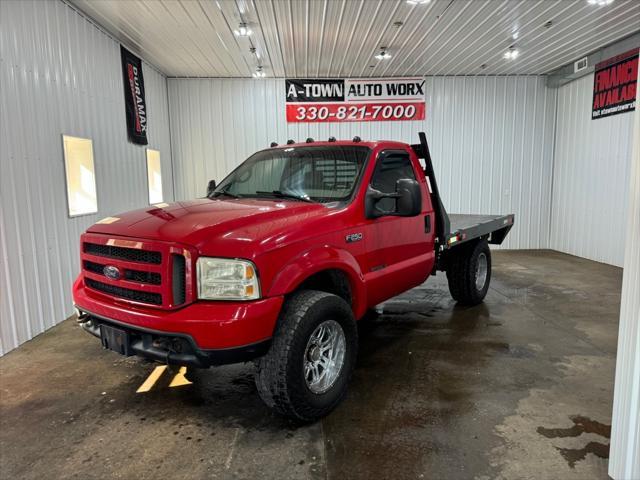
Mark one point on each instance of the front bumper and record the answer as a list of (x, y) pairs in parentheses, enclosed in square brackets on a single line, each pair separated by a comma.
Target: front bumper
[(208, 325), (171, 348)]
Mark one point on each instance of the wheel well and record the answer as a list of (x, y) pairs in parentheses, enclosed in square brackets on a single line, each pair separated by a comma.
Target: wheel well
[(330, 281)]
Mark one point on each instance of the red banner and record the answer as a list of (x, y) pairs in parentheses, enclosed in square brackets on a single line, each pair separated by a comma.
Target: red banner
[(354, 112), (614, 85)]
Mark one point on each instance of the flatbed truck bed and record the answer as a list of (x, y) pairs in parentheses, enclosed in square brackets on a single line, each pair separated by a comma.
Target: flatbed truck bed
[(465, 227)]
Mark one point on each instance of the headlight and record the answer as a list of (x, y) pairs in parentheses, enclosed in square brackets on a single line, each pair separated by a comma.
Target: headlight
[(224, 279)]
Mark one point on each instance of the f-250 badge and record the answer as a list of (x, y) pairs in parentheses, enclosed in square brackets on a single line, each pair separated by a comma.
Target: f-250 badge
[(353, 237)]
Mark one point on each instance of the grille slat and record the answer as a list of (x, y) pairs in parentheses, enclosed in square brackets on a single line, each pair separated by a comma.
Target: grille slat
[(135, 295), (179, 290), (123, 253), (152, 278)]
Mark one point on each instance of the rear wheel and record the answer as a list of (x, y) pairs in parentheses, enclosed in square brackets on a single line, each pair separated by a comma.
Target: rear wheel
[(469, 272), (306, 371)]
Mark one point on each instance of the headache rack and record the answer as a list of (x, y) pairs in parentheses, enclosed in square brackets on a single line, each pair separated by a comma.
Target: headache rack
[(455, 229)]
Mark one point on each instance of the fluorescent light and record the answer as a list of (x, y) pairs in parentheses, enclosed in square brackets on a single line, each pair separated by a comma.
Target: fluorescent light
[(600, 3), (259, 73), (418, 2), (511, 54), (243, 30), (383, 55)]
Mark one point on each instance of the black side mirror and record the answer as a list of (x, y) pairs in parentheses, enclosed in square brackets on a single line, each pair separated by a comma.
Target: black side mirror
[(409, 203), (408, 200), (211, 187)]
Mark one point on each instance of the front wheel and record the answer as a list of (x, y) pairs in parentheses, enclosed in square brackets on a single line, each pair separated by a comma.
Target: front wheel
[(469, 272), (307, 369)]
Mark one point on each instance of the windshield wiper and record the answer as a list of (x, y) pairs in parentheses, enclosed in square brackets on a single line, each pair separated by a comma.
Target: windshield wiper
[(281, 194), (224, 192)]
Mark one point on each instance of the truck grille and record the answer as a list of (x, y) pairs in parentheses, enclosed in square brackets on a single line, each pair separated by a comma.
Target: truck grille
[(150, 273)]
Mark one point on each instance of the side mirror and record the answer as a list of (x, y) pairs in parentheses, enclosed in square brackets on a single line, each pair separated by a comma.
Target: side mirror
[(408, 200), (211, 187), (409, 203)]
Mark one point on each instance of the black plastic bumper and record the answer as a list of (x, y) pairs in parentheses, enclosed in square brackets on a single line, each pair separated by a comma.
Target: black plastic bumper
[(172, 348)]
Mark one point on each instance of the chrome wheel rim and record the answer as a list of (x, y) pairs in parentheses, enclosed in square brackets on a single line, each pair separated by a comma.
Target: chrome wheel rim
[(324, 356), (481, 271)]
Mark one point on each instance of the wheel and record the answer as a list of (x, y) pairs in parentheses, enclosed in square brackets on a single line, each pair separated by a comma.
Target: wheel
[(469, 272), (306, 371)]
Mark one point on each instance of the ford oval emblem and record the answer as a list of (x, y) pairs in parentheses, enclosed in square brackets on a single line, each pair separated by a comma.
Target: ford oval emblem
[(111, 272)]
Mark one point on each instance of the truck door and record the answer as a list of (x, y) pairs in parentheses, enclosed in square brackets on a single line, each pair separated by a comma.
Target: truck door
[(404, 246)]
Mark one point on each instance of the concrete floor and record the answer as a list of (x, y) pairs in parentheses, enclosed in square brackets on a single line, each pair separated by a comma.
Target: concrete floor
[(519, 387)]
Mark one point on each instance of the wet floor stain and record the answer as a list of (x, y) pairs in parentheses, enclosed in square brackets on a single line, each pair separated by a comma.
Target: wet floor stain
[(574, 455), (581, 425)]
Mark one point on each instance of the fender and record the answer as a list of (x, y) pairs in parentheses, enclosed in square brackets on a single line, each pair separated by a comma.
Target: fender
[(323, 257)]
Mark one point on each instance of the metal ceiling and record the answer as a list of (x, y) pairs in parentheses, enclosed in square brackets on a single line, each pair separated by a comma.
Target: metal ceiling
[(339, 38)]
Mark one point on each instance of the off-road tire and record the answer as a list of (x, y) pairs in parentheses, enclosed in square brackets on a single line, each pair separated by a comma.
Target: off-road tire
[(461, 272), (280, 374)]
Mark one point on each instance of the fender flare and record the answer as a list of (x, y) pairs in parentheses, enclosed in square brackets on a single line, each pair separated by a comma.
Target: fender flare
[(325, 257)]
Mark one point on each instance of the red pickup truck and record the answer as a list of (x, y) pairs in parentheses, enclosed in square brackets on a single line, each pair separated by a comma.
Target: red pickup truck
[(277, 264)]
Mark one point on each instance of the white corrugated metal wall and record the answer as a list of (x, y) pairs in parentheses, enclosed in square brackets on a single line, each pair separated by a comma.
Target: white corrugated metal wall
[(491, 139), (625, 433), (590, 177), (61, 75)]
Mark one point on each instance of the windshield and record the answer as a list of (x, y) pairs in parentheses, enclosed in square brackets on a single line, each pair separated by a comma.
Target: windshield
[(319, 174)]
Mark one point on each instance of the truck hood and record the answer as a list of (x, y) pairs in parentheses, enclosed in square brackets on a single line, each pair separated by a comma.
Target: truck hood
[(226, 226)]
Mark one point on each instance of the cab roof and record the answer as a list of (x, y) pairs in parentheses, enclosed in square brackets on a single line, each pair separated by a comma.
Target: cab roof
[(372, 144)]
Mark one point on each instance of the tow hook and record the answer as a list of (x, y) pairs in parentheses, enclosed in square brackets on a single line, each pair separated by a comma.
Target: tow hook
[(81, 317)]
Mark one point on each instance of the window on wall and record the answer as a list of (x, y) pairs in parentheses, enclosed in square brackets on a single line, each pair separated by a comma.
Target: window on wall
[(154, 176), (81, 177)]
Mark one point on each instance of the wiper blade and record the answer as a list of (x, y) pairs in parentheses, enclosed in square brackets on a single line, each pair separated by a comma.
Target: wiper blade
[(281, 194), (224, 192)]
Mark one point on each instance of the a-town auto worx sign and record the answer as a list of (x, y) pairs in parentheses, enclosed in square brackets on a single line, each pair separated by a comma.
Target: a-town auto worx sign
[(615, 85), (355, 100)]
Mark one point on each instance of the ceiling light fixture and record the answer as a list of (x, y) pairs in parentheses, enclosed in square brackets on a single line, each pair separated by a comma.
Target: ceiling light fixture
[(383, 55), (512, 53), (418, 2), (259, 73), (243, 30), (600, 3)]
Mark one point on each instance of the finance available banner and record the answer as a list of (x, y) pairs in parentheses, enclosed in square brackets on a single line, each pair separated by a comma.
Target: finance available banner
[(135, 105), (615, 84), (354, 100)]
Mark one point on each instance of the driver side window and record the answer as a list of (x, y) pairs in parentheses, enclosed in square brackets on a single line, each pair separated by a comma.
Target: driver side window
[(389, 169)]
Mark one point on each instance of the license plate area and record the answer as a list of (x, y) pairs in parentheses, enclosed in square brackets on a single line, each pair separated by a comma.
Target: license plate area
[(116, 340)]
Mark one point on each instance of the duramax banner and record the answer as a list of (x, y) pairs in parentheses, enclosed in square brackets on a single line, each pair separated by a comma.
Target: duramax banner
[(615, 84), (136, 107), (355, 100)]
